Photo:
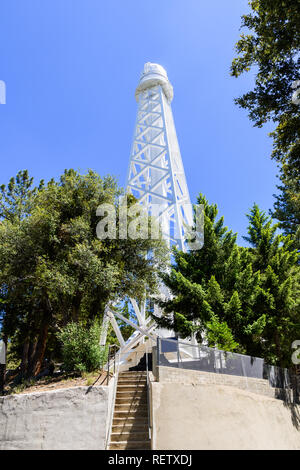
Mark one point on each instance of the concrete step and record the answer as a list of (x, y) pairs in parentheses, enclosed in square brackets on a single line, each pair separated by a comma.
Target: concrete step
[(130, 388), (133, 383), (133, 373), (122, 445), (130, 420), (131, 406), (128, 413), (131, 399), (135, 436), (132, 380), (125, 427), (132, 376), (140, 392)]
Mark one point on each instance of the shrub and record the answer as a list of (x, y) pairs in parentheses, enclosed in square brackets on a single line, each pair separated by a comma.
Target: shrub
[(81, 351)]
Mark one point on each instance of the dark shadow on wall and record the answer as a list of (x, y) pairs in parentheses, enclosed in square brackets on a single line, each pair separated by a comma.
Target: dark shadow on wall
[(290, 398)]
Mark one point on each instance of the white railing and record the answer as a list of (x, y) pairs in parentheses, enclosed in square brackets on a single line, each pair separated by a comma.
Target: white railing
[(181, 354), (148, 393), (116, 367)]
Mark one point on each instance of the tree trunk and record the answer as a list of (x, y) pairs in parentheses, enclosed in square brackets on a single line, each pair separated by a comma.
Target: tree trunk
[(32, 350), (24, 362), (76, 307), (38, 356), (2, 378)]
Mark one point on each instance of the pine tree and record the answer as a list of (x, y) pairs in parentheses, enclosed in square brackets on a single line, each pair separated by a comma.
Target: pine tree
[(277, 264), (17, 196), (237, 298), (199, 282), (287, 205)]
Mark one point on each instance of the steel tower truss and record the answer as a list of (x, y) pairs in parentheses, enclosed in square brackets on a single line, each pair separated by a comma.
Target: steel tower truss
[(156, 175), (156, 178)]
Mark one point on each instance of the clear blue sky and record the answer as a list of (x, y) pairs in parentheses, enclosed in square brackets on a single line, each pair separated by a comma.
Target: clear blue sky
[(71, 68)]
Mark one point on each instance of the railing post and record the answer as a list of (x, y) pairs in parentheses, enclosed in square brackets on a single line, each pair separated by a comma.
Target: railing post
[(113, 398), (148, 393), (115, 361), (215, 360), (158, 351), (108, 365), (178, 354)]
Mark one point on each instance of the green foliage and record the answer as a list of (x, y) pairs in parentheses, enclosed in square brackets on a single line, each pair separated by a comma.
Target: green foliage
[(219, 335), (287, 204), (15, 199), (81, 351), (243, 299), (54, 269), (271, 48), (202, 282), (279, 302), (12, 360)]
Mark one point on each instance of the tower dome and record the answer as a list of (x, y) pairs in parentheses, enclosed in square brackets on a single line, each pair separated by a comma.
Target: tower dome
[(152, 75)]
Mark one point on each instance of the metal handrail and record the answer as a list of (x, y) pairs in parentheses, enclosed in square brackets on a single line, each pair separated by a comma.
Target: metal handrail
[(110, 347), (148, 393), (268, 370), (116, 375)]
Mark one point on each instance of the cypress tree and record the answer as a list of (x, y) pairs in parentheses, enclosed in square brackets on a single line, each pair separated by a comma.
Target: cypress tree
[(276, 262), (243, 299)]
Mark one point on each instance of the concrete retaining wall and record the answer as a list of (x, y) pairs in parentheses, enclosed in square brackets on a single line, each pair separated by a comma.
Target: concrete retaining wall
[(202, 416), (260, 386), (73, 418)]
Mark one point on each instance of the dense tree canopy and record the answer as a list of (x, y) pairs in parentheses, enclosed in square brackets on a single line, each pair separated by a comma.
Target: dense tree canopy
[(53, 268), (237, 298), (271, 47), (275, 259)]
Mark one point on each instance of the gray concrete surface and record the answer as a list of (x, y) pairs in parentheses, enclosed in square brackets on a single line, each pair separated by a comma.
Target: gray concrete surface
[(202, 416), (187, 376), (62, 419)]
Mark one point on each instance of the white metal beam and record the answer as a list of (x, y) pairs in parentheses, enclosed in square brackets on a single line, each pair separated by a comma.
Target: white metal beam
[(144, 331), (116, 327)]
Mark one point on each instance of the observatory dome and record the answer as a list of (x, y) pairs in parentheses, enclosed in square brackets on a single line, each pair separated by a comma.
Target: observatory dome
[(152, 75)]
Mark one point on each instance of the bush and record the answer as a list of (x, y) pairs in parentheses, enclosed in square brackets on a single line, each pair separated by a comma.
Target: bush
[(81, 351)]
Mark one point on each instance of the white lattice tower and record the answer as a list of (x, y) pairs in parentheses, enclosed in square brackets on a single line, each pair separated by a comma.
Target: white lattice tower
[(156, 178), (156, 175)]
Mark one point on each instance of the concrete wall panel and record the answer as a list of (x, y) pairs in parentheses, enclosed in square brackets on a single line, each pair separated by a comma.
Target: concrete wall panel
[(73, 418)]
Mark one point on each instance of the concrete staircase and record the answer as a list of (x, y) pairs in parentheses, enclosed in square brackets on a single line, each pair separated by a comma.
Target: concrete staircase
[(130, 419)]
